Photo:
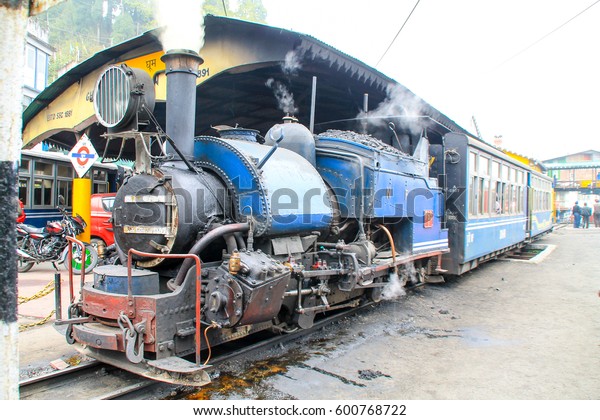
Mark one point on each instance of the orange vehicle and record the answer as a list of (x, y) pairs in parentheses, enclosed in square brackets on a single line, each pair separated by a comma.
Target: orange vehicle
[(101, 224)]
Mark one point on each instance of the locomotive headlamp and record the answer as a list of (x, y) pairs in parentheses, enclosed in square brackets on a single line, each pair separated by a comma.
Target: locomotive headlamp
[(123, 97)]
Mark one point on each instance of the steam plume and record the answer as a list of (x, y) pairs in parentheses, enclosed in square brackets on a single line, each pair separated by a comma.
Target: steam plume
[(285, 99), (183, 24), (291, 64), (399, 102), (394, 289)]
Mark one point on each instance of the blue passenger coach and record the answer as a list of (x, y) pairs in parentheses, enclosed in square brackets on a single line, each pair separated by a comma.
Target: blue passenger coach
[(539, 204), (494, 202), (43, 176)]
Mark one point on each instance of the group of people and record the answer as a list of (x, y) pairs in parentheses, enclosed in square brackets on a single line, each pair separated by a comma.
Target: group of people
[(581, 215)]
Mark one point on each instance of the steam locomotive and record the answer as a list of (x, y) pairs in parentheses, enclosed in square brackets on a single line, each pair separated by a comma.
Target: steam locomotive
[(223, 236)]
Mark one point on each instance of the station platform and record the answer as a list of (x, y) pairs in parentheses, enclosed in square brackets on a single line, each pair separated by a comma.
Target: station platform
[(40, 342)]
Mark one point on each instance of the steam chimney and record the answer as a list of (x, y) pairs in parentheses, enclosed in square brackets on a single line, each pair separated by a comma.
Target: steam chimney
[(182, 72)]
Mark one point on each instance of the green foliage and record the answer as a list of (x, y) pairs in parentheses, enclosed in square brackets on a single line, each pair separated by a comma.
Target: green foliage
[(80, 28), (251, 10)]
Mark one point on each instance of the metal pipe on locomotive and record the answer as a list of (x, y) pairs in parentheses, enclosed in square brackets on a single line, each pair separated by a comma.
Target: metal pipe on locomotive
[(287, 227)]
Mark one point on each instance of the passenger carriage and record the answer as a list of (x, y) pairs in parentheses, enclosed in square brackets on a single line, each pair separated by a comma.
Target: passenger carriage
[(494, 203)]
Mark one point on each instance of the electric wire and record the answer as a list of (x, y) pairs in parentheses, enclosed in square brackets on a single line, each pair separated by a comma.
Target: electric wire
[(398, 33), (547, 35)]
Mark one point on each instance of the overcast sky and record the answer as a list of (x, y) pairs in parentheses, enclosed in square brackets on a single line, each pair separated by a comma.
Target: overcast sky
[(508, 63)]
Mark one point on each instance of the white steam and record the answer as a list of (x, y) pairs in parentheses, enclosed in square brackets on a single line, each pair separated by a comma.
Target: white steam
[(183, 24), (291, 64), (285, 99), (395, 288), (400, 102)]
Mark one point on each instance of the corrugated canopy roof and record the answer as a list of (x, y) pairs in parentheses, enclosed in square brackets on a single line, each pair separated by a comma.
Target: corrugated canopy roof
[(239, 95)]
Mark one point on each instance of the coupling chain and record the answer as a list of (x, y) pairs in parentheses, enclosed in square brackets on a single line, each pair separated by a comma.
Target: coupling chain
[(40, 322), (45, 291)]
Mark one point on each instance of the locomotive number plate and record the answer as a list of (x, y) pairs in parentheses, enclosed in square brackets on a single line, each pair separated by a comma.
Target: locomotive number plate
[(147, 199), (149, 230)]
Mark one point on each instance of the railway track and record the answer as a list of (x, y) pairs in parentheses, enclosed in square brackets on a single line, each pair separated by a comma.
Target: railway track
[(97, 381)]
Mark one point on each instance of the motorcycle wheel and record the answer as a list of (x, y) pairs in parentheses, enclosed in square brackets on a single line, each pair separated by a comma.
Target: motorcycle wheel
[(90, 260), (23, 265)]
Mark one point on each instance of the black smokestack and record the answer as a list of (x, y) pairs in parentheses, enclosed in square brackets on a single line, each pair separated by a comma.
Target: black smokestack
[(182, 72)]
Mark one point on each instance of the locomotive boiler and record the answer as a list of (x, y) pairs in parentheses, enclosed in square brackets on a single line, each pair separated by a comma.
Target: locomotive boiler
[(223, 236)]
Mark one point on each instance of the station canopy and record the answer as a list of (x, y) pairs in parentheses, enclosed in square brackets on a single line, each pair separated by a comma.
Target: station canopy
[(244, 65)]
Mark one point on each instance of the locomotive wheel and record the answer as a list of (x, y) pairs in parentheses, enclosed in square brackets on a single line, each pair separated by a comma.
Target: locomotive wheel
[(69, 334), (375, 294), (282, 323)]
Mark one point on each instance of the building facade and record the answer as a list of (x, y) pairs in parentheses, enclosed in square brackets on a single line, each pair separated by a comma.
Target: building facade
[(576, 178), (37, 59)]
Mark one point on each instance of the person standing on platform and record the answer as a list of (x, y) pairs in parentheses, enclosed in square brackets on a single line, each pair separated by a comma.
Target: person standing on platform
[(576, 215), (597, 213), (586, 213)]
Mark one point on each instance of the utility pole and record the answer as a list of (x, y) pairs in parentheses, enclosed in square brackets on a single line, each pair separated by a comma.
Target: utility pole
[(13, 15)]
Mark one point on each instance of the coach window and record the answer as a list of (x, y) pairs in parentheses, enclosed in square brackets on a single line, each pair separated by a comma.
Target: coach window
[(473, 195), (513, 198), (513, 190), (498, 198), (538, 194), (496, 170), (24, 180), (64, 182), (547, 198), (505, 197), (521, 181), (505, 191), (505, 176), (484, 166), (100, 181), (484, 185), (472, 162), (484, 196), (474, 185), (43, 184)]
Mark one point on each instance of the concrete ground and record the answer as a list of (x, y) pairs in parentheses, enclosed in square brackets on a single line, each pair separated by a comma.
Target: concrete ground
[(39, 342), (509, 330)]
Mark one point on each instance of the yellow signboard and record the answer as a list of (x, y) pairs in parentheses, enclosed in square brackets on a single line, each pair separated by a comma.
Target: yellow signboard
[(73, 110)]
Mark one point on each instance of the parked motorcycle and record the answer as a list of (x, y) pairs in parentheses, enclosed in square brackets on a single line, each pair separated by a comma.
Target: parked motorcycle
[(50, 244)]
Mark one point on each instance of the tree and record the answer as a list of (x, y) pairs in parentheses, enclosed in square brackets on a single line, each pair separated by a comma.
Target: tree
[(74, 29), (251, 10), (80, 28), (141, 13)]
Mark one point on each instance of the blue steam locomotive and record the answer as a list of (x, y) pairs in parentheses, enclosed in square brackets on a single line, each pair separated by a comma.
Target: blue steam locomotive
[(222, 236)]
